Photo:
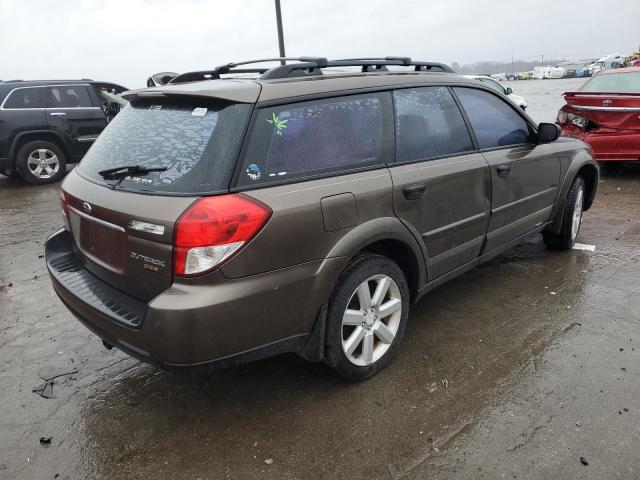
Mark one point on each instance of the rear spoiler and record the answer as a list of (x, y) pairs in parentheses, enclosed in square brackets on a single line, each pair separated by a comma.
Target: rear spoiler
[(234, 91)]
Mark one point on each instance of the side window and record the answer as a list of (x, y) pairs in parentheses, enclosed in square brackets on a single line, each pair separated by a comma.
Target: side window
[(309, 138), (26, 98), (428, 124), (69, 96), (493, 85), (495, 123)]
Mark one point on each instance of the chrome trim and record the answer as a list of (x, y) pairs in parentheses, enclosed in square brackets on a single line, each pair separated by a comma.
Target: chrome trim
[(43, 86), (607, 109), (97, 220), (146, 227), (86, 139)]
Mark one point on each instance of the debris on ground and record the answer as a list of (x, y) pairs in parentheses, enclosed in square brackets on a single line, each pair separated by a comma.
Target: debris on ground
[(445, 383), (49, 374), (584, 461), (269, 461), (45, 390), (45, 441)]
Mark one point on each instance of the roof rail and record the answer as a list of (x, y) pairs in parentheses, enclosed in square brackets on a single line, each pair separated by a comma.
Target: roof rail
[(306, 66), (232, 68)]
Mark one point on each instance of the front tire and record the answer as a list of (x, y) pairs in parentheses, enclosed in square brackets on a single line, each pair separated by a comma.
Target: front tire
[(40, 162), (366, 317), (571, 218)]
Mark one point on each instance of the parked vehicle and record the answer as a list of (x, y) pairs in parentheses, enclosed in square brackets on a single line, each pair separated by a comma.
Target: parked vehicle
[(605, 113), (159, 79), (46, 124), (224, 220), (613, 60), (498, 87), (541, 73)]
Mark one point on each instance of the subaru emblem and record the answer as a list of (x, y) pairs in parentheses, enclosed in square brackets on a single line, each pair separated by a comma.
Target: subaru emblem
[(86, 208), (607, 103)]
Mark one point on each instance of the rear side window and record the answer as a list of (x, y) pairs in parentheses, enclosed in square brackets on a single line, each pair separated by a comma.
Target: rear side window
[(428, 124), (197, 144), (312, 138), (34, 97), (70, 96), (495, 123)]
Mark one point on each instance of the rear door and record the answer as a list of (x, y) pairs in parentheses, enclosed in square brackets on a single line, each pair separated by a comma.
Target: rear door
[(441, 187), (524, 174), (320, 165), (73, 113)]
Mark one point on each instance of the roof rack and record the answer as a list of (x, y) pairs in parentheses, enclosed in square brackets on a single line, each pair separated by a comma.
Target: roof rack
[(308, 66)]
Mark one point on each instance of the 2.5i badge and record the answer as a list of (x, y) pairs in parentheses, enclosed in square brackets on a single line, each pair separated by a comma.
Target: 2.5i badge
[(149, 263)]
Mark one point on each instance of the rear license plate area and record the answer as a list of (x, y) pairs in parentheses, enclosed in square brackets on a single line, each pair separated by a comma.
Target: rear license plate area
[(106, 245)]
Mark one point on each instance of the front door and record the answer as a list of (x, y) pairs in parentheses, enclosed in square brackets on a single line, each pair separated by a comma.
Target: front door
[(524, 174), (441, 188), (72, 113)]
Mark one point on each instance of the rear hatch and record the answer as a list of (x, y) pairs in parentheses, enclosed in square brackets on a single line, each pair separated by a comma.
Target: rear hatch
[(610, 101), (123, 222)]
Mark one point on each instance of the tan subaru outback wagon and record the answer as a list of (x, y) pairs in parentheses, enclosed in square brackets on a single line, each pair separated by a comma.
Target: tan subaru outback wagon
[(248, 211)]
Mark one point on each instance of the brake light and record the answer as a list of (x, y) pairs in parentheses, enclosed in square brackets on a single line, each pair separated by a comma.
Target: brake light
[(64, 203), (213, 229)]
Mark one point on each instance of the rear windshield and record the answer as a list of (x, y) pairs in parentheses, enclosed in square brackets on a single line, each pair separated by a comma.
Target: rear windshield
[(614, 83), (197, 144)]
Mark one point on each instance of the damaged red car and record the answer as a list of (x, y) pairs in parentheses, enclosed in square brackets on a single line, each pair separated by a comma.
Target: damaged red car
[(605, 113)]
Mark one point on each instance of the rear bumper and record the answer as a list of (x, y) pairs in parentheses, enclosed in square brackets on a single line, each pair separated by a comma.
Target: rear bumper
[(620, 146), (206, 320)]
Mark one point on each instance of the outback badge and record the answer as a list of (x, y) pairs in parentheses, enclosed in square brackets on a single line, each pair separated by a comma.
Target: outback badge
[(149, 263)]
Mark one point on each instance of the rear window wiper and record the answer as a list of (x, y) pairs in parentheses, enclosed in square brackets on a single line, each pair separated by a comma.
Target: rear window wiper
[(120, 173)]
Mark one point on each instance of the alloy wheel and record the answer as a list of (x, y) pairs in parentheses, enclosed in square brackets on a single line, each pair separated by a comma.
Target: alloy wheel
[(371, 320), (577, 213), (43, 163)]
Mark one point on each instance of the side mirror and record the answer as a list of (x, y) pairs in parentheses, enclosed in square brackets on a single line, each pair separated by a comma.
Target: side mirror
[(508, 91), (548, 132), (113, 109)]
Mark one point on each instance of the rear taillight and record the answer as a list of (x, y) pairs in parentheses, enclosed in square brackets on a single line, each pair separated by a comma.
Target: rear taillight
[(212, 229), (64, 203)]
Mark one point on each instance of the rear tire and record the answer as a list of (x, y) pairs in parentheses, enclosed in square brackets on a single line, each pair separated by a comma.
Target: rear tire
[(366, 317), (571, 218), (40, 162)]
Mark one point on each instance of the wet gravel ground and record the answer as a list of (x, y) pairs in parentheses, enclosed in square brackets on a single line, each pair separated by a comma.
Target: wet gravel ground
[(514, 370)]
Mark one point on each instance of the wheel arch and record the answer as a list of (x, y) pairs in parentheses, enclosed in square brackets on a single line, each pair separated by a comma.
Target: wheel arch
[(388, 237), (583, 166), (23, 138)]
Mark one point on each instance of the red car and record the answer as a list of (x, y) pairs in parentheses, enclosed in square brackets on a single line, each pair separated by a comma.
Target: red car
[(605, 113)]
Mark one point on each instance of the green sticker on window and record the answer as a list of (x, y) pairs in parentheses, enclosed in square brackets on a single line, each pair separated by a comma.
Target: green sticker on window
[(279, 124)]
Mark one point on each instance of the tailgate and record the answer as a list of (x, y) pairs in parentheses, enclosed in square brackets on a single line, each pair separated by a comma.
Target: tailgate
[(125, 239)]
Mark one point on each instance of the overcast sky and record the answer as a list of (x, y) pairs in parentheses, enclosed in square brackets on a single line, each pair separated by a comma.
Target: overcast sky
[(126, 41)]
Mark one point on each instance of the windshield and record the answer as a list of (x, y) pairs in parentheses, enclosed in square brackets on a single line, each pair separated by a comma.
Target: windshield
[(195, 146), (614, 83)]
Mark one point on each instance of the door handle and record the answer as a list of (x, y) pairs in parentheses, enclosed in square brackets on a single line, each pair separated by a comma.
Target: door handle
[(57, 114), (413, 191), (503, 170)]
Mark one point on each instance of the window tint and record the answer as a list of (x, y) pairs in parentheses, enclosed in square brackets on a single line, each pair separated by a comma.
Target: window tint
[(197, 144), (26, 98), (303, 139), (428, 124), (495, 123), (69, 97)]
